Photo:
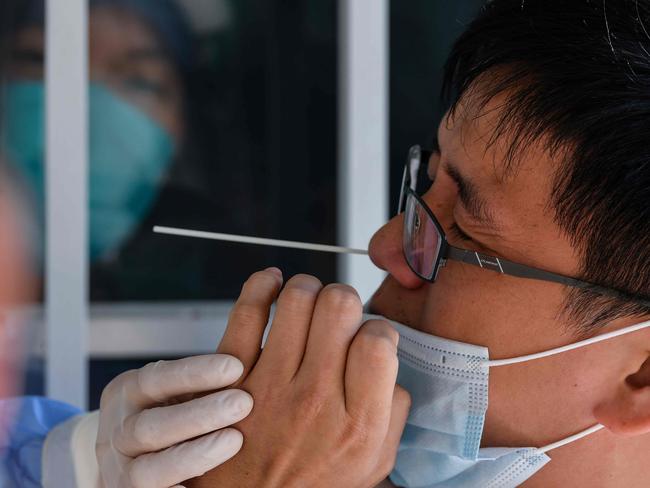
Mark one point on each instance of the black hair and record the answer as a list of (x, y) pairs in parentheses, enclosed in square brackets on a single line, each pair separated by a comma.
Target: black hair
[(576, 77)]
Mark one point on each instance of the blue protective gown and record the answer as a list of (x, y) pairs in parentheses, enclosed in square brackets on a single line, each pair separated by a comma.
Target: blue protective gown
[(22, 450)]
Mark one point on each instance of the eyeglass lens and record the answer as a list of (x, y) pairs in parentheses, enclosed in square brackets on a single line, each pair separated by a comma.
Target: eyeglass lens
[(421, 238)]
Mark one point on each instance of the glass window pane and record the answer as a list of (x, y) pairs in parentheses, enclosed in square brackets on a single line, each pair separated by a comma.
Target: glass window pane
[(216, 116), (211, 115), (421, 35)]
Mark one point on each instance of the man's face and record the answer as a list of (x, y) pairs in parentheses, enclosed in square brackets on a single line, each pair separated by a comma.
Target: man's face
[(532, 403)]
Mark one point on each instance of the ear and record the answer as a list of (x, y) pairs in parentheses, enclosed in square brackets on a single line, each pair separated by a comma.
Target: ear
[(627, 412)]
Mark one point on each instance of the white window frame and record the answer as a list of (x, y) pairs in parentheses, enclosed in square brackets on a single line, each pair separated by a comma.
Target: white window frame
[(363, 135), (66, 283), (74, 331)]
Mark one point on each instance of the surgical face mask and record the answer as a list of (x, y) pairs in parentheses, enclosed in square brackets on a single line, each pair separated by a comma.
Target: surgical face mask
[(128, 156), (448, 383)]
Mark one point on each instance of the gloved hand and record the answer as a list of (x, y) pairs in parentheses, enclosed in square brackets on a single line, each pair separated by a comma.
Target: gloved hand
[(150, 437)]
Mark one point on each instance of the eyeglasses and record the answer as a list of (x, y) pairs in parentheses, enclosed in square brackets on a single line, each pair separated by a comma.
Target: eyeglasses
[(427, 251)]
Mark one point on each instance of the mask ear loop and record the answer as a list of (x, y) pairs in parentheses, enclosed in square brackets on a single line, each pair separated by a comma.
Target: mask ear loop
[(558, 350), (551, 352), (570, 439)]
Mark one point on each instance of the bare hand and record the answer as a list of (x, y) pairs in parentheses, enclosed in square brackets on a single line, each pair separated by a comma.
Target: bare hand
[(327, 409)]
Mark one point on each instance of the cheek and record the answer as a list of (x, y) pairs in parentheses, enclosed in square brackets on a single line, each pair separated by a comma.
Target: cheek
[(508, 315), (398, 303), (542, 401), (524, 407)]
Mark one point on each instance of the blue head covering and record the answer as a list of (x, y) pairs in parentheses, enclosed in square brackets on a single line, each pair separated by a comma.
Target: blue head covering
[(165, 17)]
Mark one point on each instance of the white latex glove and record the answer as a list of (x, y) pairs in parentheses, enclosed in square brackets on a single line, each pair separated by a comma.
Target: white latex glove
[(145, 441)]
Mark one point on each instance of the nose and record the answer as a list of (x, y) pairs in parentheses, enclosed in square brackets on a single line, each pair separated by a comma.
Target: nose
[(386, 252)]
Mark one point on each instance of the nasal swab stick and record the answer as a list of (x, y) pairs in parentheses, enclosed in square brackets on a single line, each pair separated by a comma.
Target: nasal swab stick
[(256, 240)]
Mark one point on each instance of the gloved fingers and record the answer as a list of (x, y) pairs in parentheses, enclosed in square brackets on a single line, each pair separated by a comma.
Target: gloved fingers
[(184, 461), (163, 380), (159, 428)]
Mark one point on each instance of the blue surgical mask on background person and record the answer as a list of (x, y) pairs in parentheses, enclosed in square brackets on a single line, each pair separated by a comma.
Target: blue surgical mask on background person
[(129, 154), (448, 384)]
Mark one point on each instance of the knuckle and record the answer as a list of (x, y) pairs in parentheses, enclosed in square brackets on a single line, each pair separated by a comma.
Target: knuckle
[(342, 297), (300, 294), (143, 433), (377, 349), (381, 357), (311, 402), (382, 330), (296, 296), (146, 379), (304, 281), (119, 382)]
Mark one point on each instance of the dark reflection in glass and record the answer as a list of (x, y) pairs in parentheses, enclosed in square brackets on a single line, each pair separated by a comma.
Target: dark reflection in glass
[(208, 118), (216, 115)]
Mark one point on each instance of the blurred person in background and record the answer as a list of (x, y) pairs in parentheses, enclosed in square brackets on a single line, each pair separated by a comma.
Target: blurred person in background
[(145, 434), (150, 433), (147, 147), (16, 289), (141, 52)]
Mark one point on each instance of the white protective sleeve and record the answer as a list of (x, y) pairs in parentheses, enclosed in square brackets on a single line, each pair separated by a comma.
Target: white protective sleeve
[(69, 459)]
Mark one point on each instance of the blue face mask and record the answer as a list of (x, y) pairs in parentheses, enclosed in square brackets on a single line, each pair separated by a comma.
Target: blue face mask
[(448, 384), (128, 156)]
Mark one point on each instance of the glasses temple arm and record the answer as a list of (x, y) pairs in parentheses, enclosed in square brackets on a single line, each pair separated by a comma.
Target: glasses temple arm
[(504, 266)]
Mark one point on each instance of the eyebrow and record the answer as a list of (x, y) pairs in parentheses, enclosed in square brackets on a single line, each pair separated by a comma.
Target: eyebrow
[(475, 204)]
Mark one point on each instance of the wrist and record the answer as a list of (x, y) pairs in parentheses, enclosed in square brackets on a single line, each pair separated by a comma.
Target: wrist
[(69, 453)]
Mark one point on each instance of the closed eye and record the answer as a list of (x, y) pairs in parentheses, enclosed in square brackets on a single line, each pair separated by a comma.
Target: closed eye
[(475, 245), (459, 233)]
